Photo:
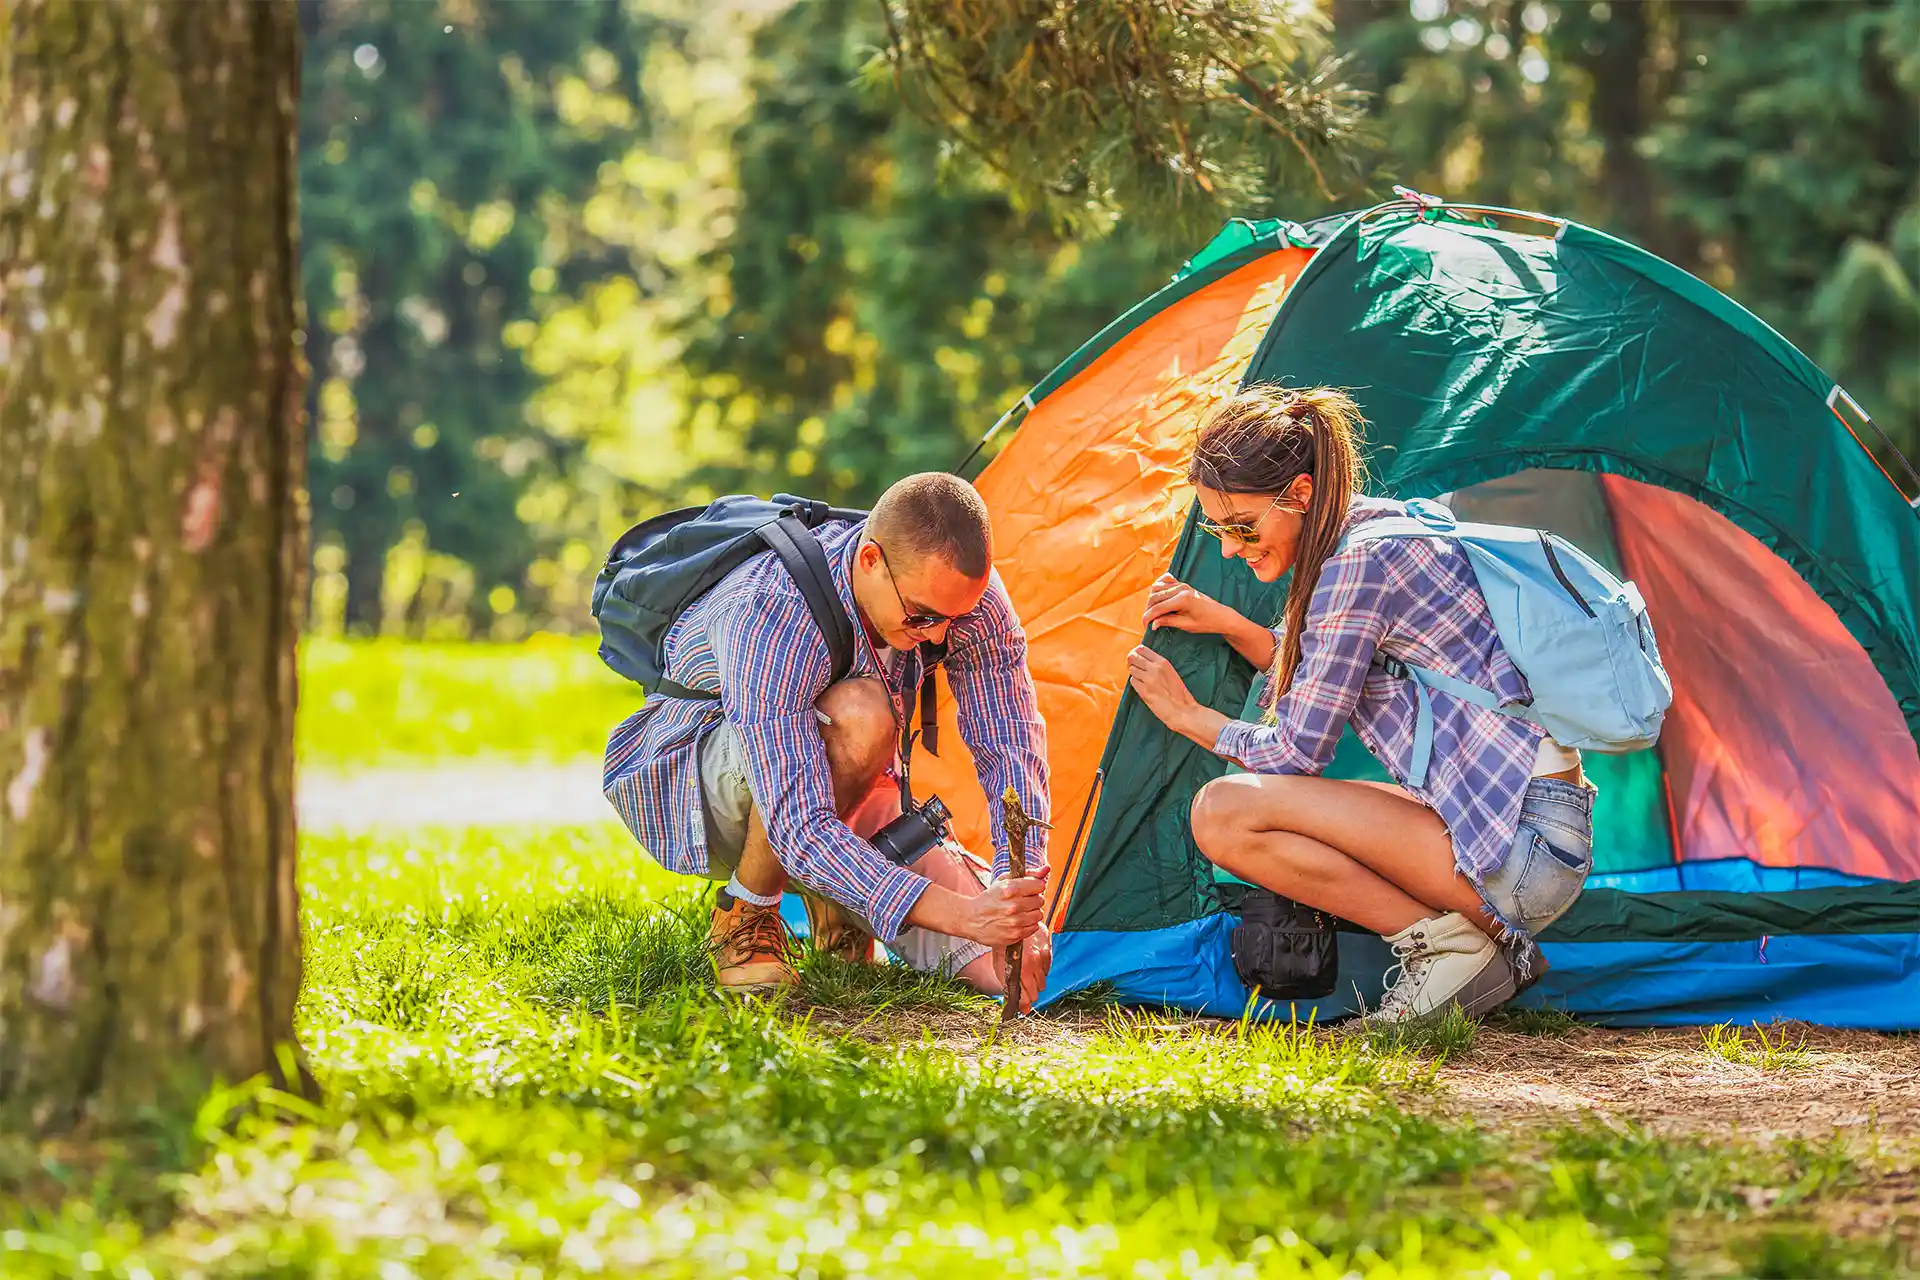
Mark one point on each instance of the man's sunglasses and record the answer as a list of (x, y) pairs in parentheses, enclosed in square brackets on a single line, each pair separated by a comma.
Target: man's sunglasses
[(910, 620), (1243, 533)]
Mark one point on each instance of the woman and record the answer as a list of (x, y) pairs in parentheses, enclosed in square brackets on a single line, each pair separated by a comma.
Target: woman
[(1495, 842)]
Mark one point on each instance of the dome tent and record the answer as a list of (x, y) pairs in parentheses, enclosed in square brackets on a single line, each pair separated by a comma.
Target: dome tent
[(1763, 861)]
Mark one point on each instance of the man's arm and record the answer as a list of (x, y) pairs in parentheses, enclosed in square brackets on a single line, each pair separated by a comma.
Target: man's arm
[(773, 663), (772, 660), (1000, 717)]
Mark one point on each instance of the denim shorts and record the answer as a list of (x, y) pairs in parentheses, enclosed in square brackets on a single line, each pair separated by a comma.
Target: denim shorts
[(1551, 856)]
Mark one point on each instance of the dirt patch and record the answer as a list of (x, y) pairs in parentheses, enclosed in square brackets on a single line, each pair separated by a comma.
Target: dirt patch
[(1853, 1083), (1857, 1084)]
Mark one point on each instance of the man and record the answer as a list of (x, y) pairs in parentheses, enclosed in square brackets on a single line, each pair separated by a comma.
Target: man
[(761, 784)]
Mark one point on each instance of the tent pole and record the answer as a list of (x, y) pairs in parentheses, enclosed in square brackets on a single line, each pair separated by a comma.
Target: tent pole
[(1024, 402), (1073, 850)]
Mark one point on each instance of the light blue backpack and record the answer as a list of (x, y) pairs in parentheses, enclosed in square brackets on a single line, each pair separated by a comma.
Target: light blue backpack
[(1578, 634)]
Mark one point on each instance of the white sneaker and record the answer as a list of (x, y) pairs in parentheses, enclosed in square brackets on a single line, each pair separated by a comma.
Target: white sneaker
[(1444, 961)]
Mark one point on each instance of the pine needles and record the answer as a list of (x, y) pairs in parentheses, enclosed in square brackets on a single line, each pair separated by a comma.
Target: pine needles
[(1180, 112)]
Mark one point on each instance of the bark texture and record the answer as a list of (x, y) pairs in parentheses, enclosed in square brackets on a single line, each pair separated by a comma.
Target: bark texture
[(152, 543)]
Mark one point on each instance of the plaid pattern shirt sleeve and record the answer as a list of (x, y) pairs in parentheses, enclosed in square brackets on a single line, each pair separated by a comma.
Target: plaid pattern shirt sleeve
[(771, 661), (999, 716), (1350, 613)]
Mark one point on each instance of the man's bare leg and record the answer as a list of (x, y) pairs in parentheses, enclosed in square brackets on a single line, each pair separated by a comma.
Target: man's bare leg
[(759, 870), (860, 737), (750, 942)]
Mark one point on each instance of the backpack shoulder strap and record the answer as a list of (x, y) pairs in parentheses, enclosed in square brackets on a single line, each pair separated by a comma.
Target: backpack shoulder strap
[(1423, 520), (806, 564)]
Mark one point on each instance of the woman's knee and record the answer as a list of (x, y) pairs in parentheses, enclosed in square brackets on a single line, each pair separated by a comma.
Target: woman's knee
[(1231, 815), (1219, 821)]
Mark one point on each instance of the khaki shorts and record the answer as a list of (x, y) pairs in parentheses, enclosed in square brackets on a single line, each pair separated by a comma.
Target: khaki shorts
[(727, 799)]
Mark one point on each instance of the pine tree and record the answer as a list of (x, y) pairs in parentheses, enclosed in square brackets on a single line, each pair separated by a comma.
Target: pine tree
[(448, 154), (871, 316)]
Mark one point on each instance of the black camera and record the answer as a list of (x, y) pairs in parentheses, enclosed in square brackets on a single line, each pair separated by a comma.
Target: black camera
[(914, 832)]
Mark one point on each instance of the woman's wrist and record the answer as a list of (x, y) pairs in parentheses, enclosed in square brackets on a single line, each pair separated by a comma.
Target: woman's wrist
[(1250, 640), (1203, 725)]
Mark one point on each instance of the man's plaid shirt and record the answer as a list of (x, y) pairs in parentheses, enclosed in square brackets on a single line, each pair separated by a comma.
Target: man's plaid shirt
[(1415, 599), (753, 639)]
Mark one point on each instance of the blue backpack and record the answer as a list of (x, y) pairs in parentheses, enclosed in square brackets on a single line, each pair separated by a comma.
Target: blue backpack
[(1578, 634), (661, 566)]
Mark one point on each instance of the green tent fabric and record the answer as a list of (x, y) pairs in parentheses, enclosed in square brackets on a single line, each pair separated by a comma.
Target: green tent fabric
[(1469, 347), (1476, 353)]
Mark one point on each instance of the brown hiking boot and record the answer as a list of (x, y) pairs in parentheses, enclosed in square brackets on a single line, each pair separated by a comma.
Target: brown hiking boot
[(750, 947), (836, 931)]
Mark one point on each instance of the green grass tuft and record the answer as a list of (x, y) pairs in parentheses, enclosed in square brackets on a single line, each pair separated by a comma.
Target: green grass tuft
[(1439, 1036), (1755, 1046)]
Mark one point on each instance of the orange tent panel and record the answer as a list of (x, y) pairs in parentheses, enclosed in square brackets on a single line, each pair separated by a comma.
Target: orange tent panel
[(1088, 500), (1784, 745)]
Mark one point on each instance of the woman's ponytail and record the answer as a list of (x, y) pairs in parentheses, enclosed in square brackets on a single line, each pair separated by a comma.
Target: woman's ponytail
[(1260, 442)]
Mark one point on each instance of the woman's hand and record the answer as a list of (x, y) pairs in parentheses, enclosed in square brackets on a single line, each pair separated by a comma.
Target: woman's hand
[(1173, 603), (1165, 693), (1158, 685)]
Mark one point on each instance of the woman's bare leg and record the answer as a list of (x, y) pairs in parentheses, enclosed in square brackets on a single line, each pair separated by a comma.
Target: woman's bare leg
[(1363, 851)]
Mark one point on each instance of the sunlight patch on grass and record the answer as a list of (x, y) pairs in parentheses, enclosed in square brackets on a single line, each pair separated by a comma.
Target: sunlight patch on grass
[(371, 703)]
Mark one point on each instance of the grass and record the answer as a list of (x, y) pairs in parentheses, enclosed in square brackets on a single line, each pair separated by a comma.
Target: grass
[(1755, 1047), (369, 703), (1440, 1036), (526, 1074)]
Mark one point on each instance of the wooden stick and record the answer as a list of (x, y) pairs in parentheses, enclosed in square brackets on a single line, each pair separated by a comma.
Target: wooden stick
[(1017, 824)]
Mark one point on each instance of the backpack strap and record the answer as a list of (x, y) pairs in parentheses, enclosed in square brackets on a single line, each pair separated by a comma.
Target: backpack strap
[(806, 564), (790, 538), (1425, 520), (927, 697), (1425, 681)]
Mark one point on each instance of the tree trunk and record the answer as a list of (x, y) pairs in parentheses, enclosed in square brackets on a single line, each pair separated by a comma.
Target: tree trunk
[(152, 549), (1622, 69)]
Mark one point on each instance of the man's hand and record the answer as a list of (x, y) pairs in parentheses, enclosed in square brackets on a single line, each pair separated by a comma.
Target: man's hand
[(1034, 964), (1007, 911), (1004, 912)]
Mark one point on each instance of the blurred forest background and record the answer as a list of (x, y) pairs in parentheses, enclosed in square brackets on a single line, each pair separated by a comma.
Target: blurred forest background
[(570, 262)]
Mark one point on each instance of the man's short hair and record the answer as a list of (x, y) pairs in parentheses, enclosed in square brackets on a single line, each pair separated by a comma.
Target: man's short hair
[(934, 513)]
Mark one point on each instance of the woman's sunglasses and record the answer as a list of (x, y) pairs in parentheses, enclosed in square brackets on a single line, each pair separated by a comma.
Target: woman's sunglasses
[(1247, 534)]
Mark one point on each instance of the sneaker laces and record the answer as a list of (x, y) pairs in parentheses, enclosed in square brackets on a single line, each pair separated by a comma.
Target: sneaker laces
[(1403, 978), (760, 932)]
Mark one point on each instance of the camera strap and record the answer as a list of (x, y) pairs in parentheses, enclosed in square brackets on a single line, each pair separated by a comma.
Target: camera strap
[(924, 696)]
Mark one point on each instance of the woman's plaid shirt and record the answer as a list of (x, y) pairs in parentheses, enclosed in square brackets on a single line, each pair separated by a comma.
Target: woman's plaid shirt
[(1415, 599), (753, 639)]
